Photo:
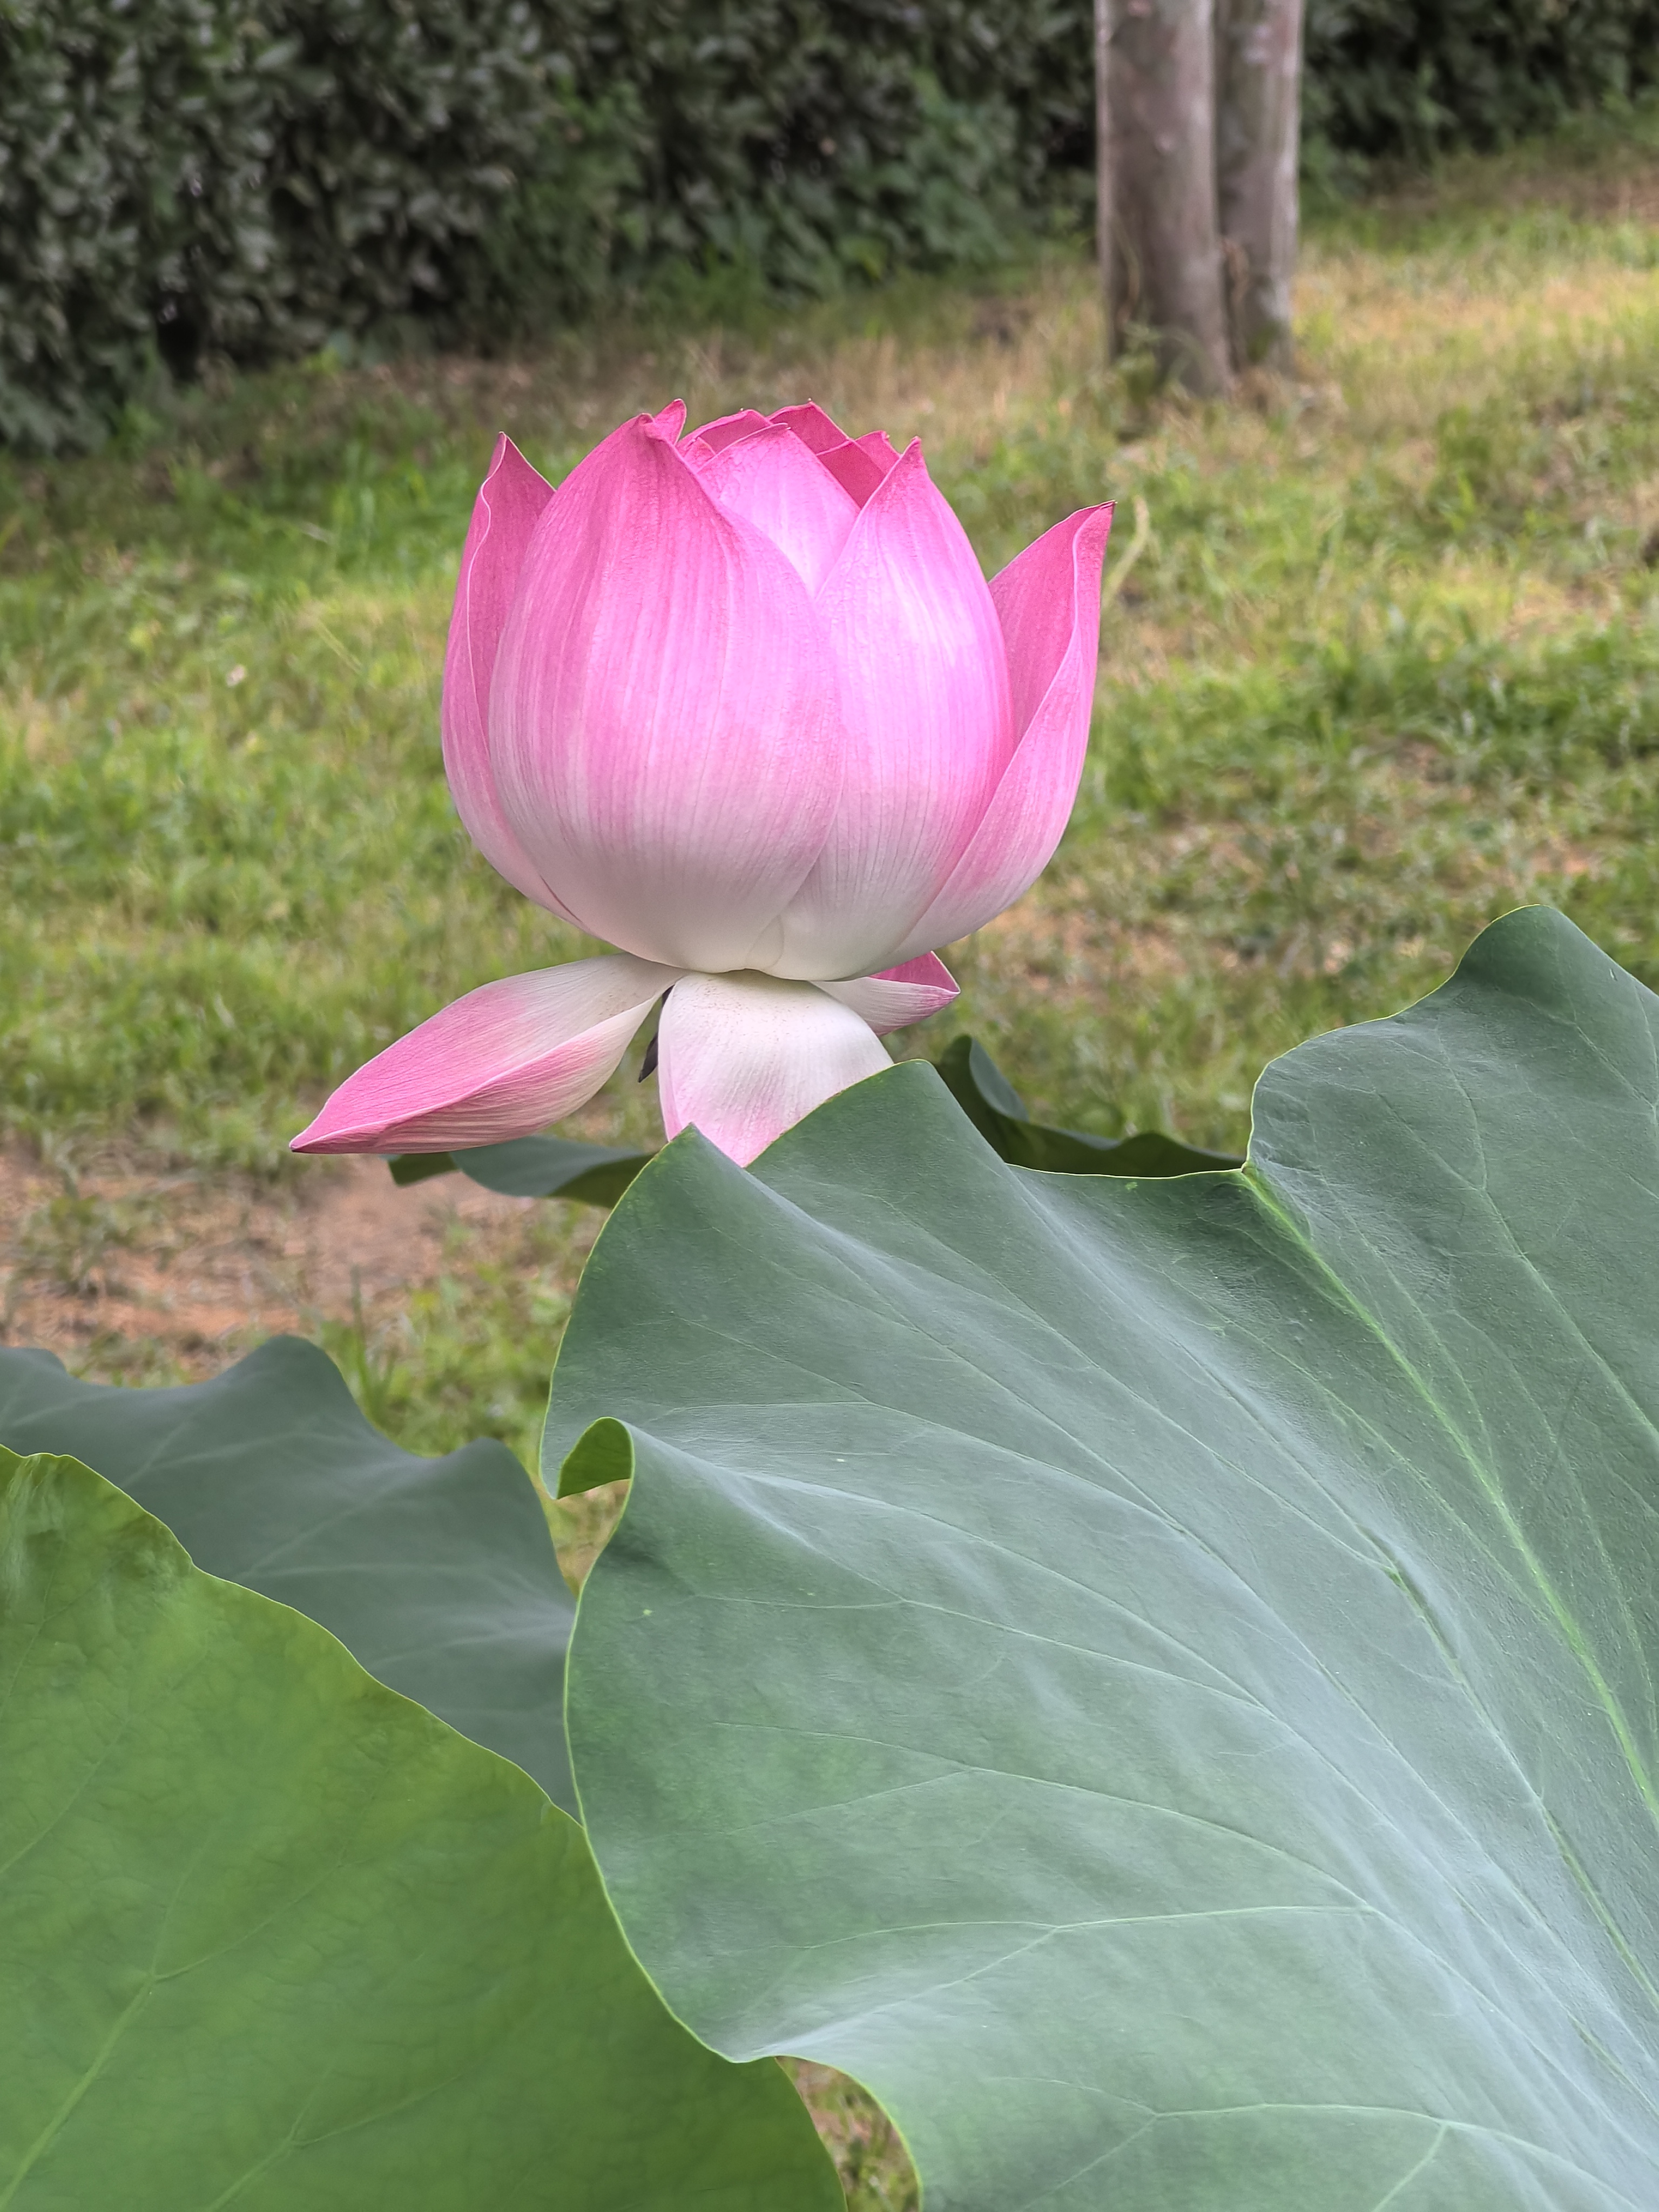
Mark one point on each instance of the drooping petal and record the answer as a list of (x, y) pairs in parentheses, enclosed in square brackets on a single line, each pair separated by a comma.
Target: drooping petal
[(744, 1057), (665, 723), (503, 1060), (509, 505), (1048, 600), (858, 464), (898, 996), (774, 481), (924, 678)]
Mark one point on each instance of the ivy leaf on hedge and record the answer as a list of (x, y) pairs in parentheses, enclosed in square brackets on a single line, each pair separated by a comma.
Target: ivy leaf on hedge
[(438, 1575), (272, 1935), (1157, 1679), (996, 1110)]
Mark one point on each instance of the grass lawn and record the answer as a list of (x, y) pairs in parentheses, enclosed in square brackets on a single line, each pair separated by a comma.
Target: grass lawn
[(1381, 661)]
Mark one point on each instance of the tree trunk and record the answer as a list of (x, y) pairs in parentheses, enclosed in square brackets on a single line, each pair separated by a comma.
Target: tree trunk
[(1105, 206), (1258, 114), (1166, 259)]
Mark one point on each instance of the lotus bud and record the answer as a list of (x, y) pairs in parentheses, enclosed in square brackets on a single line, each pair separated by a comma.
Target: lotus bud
[(741, 704)]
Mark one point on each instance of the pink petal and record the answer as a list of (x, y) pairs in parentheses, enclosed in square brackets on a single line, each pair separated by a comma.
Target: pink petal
[(715, 437), (856, 471), (858, 464), (508, 507), (877, 447), (929, 720), (503, 1060), (772, 481), (1049, 599), (665, 722), (897, 996), (744, 1057), (812, 426)]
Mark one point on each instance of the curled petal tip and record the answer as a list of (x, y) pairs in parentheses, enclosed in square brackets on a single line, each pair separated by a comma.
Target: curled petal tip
[(1047, 601), (898, 996)]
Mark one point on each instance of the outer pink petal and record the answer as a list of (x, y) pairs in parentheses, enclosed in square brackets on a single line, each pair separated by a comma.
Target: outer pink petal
[(509, 505), (774, 481), (665, 723), (499, 1062), (897, 996), (744, 1057), (1049, 599), (930, 727)]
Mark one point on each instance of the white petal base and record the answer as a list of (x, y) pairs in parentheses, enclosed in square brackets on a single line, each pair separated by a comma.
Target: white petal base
[(743, 1057)]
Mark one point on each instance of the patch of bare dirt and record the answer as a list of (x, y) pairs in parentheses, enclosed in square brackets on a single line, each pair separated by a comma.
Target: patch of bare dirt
[(192, 1269)]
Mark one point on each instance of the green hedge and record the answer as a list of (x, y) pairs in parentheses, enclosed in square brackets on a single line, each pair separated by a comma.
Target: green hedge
[(209, 176), (248, 178), (1408, 79), (199, 175), (809, 136)]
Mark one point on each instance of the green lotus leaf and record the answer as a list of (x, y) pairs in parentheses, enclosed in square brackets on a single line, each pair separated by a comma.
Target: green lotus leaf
[(272, 1937), (555, 1167), (438, 1575), (531, 1167), (998, 1112), (1158, 1679)]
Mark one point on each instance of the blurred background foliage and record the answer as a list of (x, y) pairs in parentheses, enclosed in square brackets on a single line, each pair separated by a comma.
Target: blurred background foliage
[(182, 180), (1404, 80)]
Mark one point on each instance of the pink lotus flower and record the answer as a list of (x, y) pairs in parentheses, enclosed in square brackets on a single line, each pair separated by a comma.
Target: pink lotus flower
[(743, 704)]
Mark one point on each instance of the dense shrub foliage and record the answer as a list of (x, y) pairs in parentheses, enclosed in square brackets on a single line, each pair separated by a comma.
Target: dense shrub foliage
[(196, 175), (806, 136), (189, 177), (1411, 78)]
